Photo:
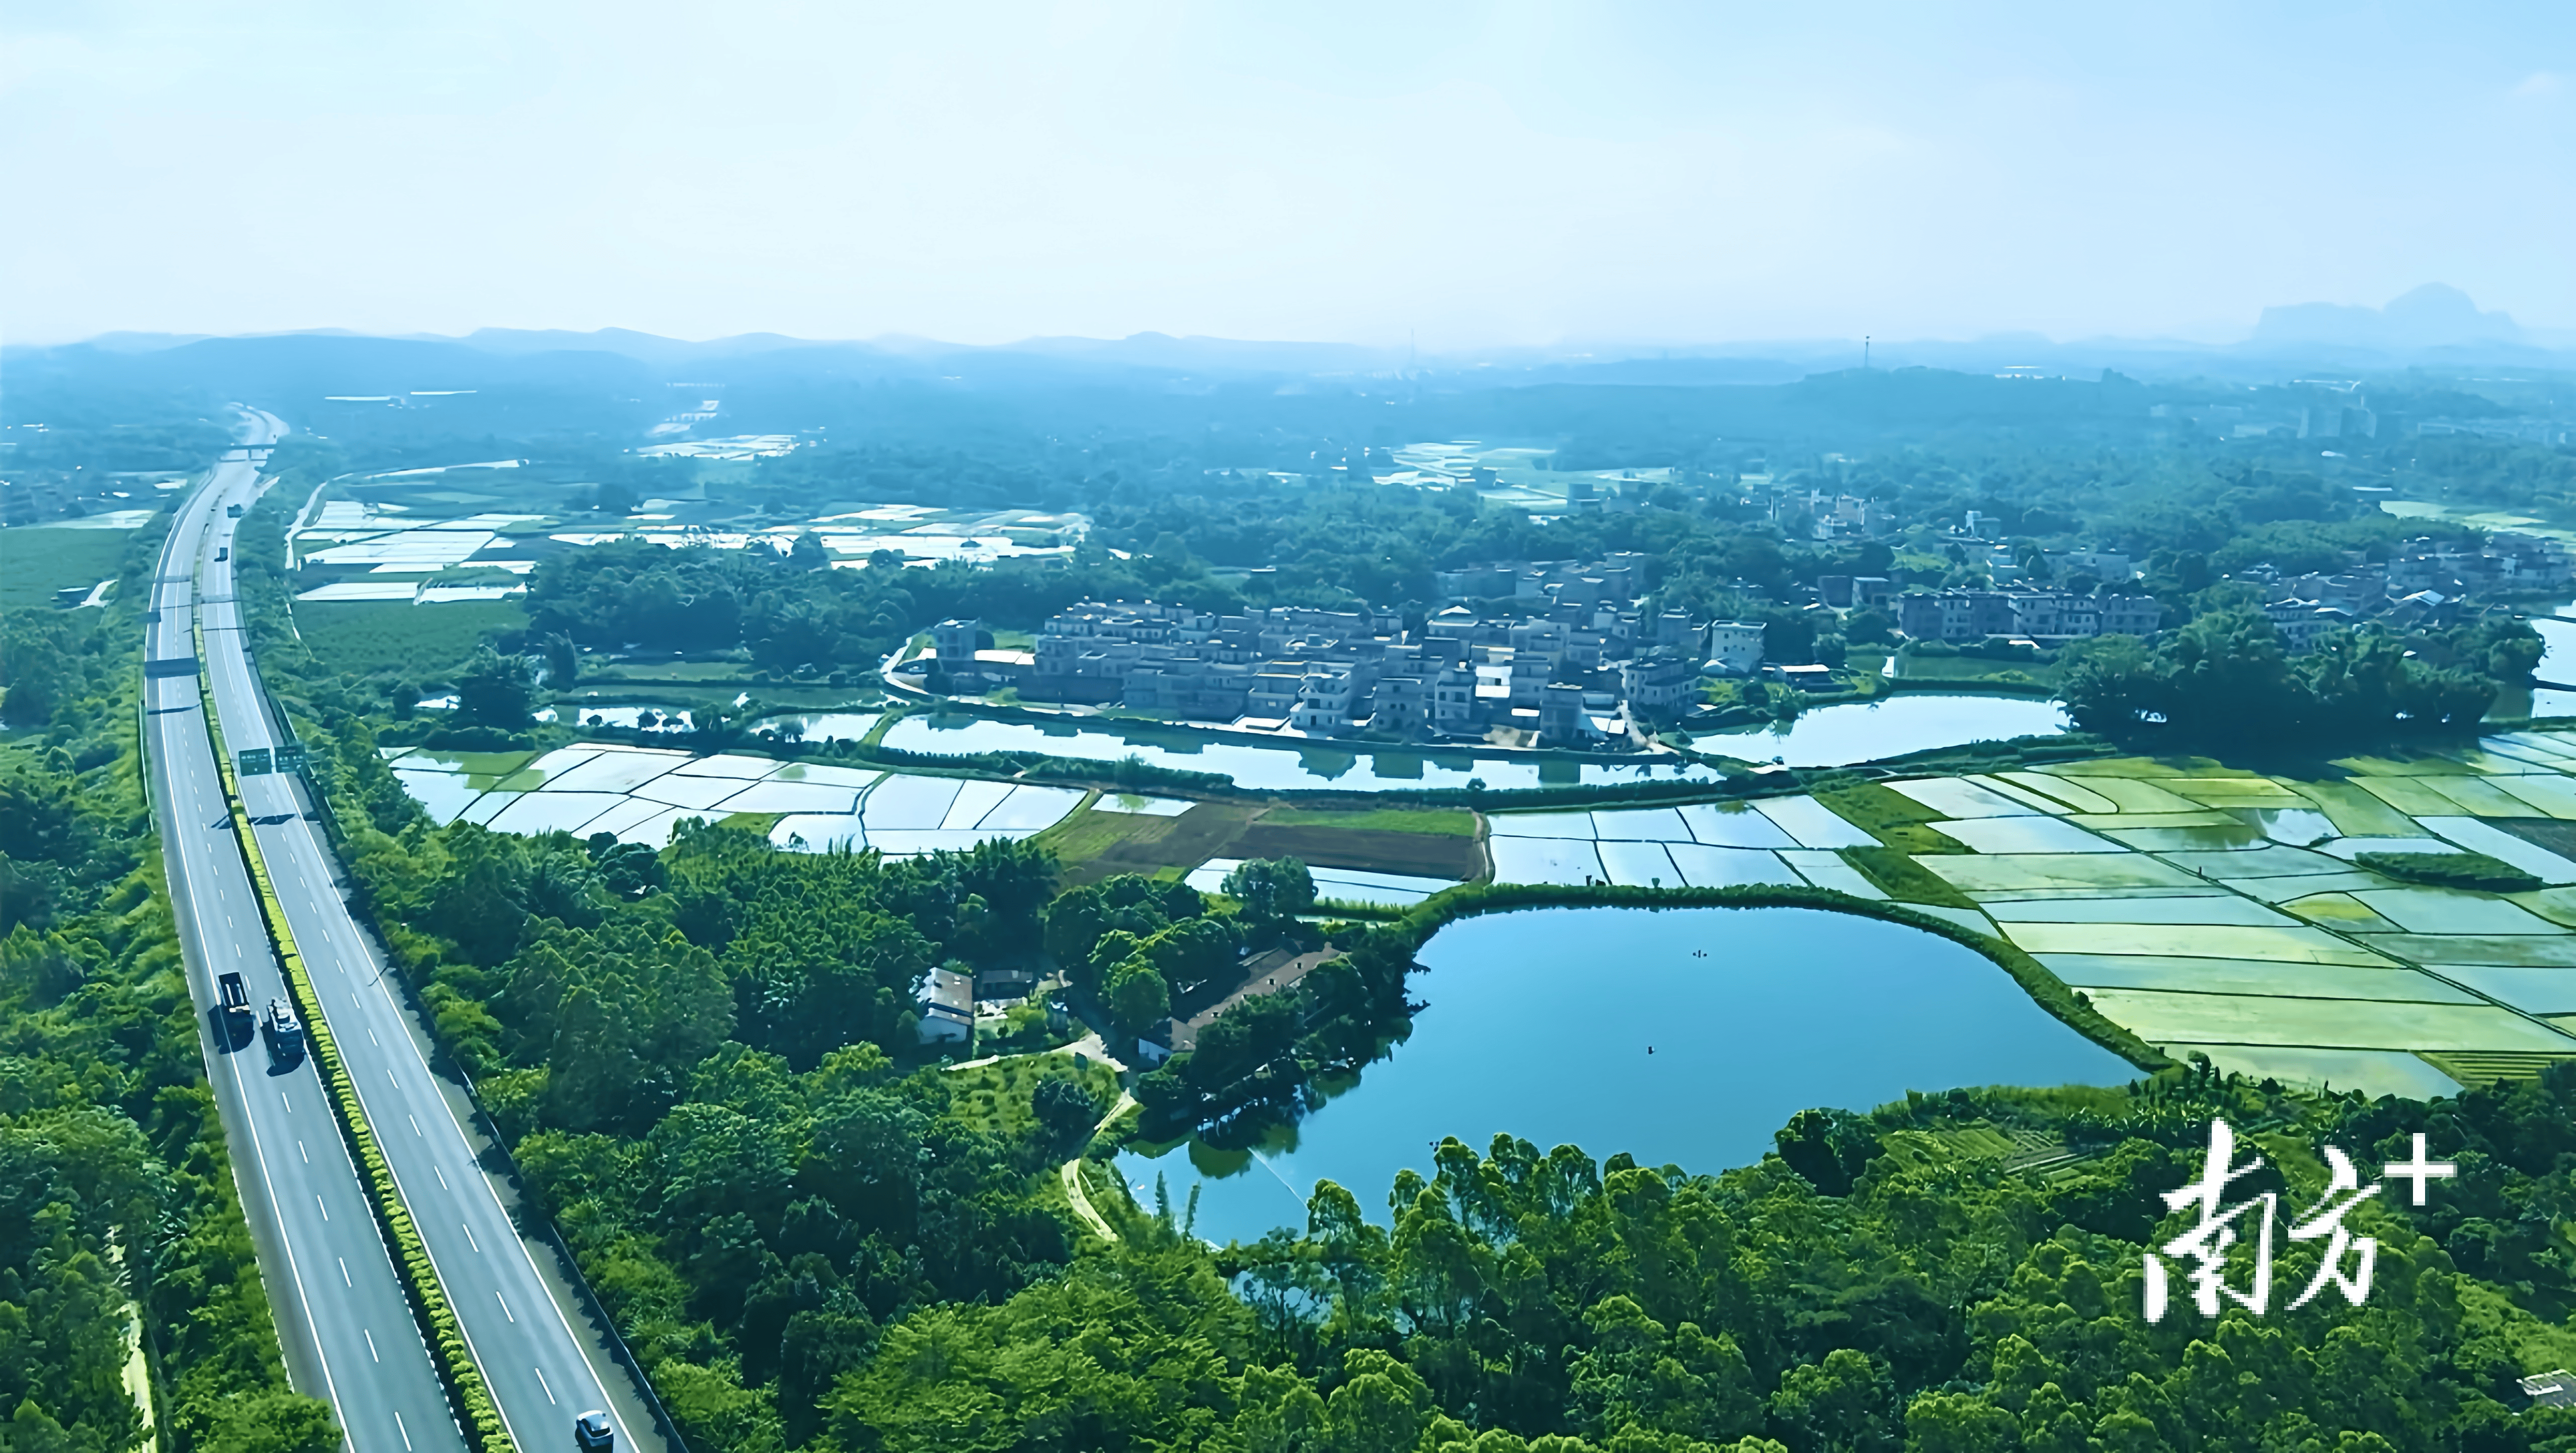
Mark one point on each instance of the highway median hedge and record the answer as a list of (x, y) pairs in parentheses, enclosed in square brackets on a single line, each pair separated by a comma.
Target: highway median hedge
[(449, 1352)]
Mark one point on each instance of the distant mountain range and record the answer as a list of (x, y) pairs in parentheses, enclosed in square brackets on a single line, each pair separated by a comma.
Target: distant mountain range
[(2433, 324)]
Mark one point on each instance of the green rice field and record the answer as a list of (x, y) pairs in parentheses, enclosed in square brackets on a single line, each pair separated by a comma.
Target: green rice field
[(2209, 910)]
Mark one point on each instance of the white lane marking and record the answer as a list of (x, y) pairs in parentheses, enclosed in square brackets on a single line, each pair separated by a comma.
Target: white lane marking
[(289, 1104), (371, 1343), (300, 1150), (470, 1241), (371, 1038), (326, 1211), (442, 1177), (415, 1127), (549, 1387), (344, 1271), (505, 1306), (406, 1433), (389, 1077)]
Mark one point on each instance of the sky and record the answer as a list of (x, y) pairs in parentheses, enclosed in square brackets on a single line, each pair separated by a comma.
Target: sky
[(1460, 176)]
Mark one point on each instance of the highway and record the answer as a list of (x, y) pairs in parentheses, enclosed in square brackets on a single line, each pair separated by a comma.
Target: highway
[(544, 1365), (342, 1317)]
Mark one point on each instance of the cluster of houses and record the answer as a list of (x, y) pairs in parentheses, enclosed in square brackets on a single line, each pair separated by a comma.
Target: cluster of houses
[(1579, 675), (2421, 585), (1573, 662)]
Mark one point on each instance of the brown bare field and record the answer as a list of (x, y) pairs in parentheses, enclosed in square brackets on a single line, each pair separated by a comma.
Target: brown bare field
[(1206, 831), (1433, 855)]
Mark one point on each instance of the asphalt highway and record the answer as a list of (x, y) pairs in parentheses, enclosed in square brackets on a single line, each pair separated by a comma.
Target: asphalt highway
[(346, 1326), (544, 1365)]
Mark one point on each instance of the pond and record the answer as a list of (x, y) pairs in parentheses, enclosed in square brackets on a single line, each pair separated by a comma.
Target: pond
[(2558, 649), (1831, 736), (1263, 768), (1539, 1024)]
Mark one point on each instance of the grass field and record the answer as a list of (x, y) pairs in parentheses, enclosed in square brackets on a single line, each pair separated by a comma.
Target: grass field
[(422, 642), (996, 1098), (37, 561), (1449, 821)]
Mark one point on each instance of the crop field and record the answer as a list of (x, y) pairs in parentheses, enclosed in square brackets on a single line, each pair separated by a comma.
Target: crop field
[(37, 560), (424, 643), (2209, 910), (638, 794), (1439, 855), (2234, 922)]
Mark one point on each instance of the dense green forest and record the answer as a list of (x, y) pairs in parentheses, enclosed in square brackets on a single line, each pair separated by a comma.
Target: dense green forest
[(115, 1189), (2226, 680)]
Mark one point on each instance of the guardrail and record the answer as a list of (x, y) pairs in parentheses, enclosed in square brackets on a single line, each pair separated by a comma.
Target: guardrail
[(477, 1412)]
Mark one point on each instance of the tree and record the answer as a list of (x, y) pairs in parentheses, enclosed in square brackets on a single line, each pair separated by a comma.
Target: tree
[(1066, 1110), (276, 1422), (563, 661), (1271, 890), (1139, 998), (495, 691)]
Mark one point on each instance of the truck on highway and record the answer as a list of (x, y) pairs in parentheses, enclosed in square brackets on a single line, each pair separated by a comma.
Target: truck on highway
[(234, 1004), (285, 1031)]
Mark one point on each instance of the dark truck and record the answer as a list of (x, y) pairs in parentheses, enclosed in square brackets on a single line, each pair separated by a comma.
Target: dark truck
[(285, 1031), (234, 1007)]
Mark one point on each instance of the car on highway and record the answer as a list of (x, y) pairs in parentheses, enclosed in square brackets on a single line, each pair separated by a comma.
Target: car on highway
[(234, 1008), (285, 1031), (591, 1433)]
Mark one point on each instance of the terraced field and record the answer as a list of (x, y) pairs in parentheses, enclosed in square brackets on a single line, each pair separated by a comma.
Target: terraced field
[(2209, 910), (640, 793)]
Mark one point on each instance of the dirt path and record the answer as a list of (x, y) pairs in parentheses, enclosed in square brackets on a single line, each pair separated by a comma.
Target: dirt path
[(1082, 1207)]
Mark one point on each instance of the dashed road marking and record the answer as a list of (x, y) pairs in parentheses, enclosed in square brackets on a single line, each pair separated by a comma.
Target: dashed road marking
[(470, 1241), (371, 1343), (326, 1211), (344, 1271), (505, 1307)]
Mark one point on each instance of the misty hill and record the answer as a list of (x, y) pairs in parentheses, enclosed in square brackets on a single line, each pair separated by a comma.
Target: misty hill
[(2432, 316)]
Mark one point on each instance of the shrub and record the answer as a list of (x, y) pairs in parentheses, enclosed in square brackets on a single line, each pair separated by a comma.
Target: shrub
[(2451, 870)]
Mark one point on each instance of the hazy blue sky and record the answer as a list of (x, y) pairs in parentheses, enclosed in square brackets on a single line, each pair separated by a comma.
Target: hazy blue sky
[(1470, 174)]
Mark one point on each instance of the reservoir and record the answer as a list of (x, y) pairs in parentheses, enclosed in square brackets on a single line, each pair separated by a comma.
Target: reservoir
[(1539, 1023)]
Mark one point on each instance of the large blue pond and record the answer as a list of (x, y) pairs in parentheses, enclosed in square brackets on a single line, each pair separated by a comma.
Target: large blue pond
[(1539, 1024)]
